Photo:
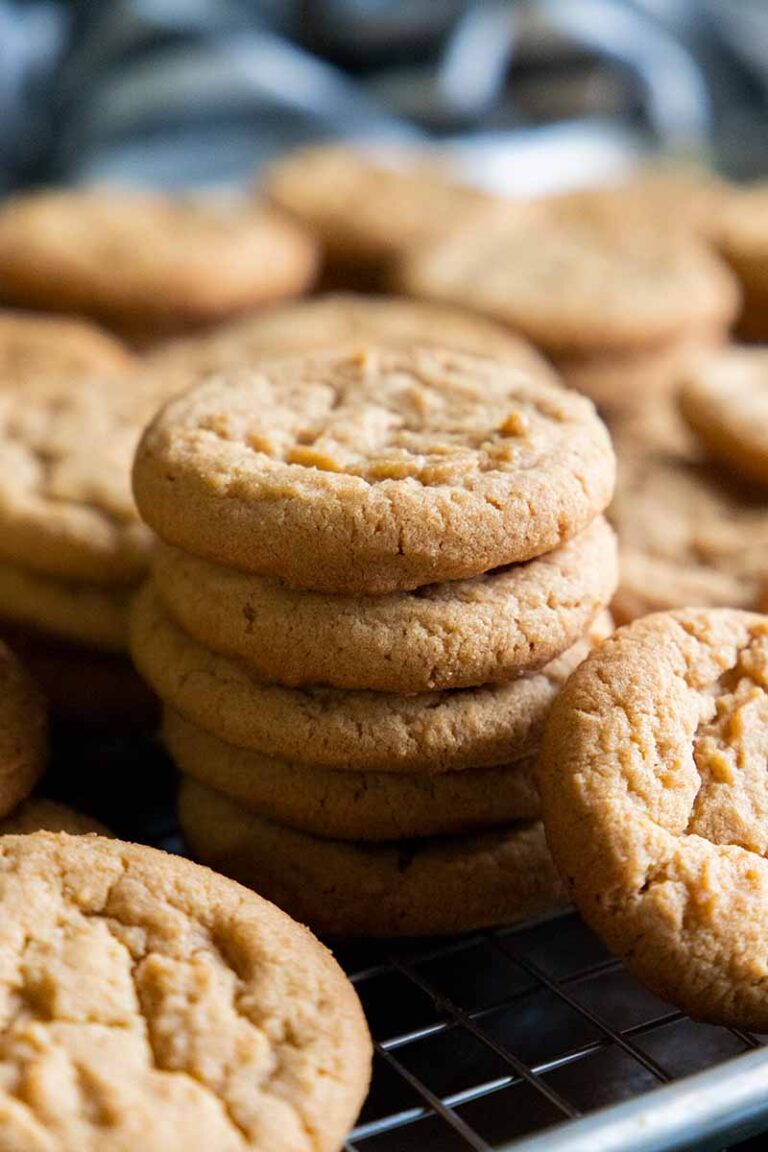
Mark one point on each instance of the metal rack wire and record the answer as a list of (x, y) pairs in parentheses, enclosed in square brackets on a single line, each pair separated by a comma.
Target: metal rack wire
[(530, 1037)]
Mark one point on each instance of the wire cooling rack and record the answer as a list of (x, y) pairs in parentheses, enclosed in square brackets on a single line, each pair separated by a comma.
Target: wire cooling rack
[(531, 1037)]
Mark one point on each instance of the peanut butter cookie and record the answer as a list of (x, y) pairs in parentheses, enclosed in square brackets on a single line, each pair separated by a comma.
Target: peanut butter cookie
[(92, 614), (409, 888), (346, 805), (742, 238), (166, 1008), (726, 404), (332, 728), (687, 535), (373, 471), (467, 632), (145, 263), (653, 791), (40, 815), (32, 346)]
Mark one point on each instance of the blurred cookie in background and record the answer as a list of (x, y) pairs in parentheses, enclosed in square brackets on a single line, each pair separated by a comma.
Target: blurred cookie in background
[(617, 305), (742, 239), (338, 320), (725, 403), (35, 347), (144, 263), (366, 211)]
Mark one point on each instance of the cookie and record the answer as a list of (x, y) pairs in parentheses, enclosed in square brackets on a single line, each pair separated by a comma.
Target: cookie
[(457, 635), (653, 791), (683, 196), (367, 211), (367, 472), (167, 1008), (339, 320), (39, 815), (579, 286), (742, 239), (622, 386), (353, 730), (147, 262), (32, 346), (407, 888), (66, 448), (687, 535), (346, 805), (89, 614), (725, 402), (23, 732)]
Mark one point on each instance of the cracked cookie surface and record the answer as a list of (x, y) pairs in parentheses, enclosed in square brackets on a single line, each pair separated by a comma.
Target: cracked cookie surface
[(467, 632), (652, 779), (348, 805), (725, 403), (411, 887), (147, 1002), (367, 472), (332, 728)]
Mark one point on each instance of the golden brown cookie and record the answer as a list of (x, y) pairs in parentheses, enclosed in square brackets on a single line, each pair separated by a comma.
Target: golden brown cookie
[(66, 447), (166, 1008), (367, 211), (32, 346), (347, 805), (407, 888), (339, 320), (366, 472), (147, 262), (456, 635), (682, 196), (579, 286), (742, 238), (725, 402), (40, 815), (623, 387), (653, 791), (332, 728), (90, 614), (688, 535), (23, 732)]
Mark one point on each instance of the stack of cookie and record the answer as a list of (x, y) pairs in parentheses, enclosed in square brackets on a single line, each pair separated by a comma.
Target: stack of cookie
[(379, 566)]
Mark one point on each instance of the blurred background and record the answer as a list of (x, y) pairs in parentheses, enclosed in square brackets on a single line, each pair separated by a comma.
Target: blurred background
[(530, 95)]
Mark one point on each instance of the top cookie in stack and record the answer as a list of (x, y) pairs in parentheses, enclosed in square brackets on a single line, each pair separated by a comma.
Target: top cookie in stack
[(379, 566)]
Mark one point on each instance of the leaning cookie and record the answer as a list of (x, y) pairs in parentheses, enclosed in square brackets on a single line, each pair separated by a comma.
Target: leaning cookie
[(411, 888), (456, 635), (374, 471), (653, 793), (348, 805), (725, 402), (146, 263), (196, 1014), (23, 732), (330, 727)]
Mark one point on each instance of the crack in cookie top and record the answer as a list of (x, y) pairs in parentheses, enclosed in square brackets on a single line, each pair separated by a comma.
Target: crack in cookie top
[(149, 1003), (653, 793), (373, 470)]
